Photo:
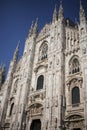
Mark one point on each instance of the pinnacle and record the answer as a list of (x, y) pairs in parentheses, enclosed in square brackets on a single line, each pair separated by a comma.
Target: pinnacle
[(60, 11), (55, 16)]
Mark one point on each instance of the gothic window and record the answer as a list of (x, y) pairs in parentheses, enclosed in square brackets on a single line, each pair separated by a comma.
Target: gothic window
[(11, 109), (74, 66), (43, 51), (40, 82), (75, 95)]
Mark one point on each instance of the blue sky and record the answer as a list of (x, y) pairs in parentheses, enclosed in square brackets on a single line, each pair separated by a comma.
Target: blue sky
[(16, 17)]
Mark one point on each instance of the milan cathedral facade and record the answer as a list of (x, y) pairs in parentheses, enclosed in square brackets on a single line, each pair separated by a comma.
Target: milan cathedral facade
[(47, 88)]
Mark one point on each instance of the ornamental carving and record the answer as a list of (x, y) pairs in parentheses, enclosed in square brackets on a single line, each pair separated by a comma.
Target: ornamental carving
[(75, 82), (35, 109), (36, 96), (74, 117), (74, 121), (84, 50)]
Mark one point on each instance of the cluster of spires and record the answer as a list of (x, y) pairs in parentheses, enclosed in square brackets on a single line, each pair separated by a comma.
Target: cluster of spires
[(34, 26), (34, 30), (57, 15), (60, 15)]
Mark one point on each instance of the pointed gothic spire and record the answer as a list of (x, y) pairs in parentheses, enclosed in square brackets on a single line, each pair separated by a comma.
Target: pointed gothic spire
[(15, 56), (61, 15), (31, 29), (55, 14), (82, 13), (35, 28)]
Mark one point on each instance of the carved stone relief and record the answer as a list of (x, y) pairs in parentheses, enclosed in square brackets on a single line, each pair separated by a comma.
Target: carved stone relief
[(74, 121), (75, 82), (35, 109)]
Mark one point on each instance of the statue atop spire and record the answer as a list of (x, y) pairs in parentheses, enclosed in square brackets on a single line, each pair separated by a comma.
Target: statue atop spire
[(55, 14), (61, 14), (82, 13)]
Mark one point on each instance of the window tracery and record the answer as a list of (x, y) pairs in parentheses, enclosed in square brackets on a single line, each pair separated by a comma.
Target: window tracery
[(43, 51), (74, 66)]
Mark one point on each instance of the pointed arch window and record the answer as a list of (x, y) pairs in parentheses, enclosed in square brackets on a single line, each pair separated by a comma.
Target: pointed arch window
[(74, 66), (43, 51), (11, 109), (40, 82), (75, 95)]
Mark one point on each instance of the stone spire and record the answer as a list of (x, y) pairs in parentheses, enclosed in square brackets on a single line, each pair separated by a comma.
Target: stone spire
[(55, 15), (61, 14), (35, 28), (31, 29), (15, 56), (82, 13)]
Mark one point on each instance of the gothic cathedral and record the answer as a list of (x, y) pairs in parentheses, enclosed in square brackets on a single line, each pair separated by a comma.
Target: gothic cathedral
[(47, 88)]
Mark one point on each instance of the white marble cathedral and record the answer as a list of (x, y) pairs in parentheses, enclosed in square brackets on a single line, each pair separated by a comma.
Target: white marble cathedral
[(47, 88)]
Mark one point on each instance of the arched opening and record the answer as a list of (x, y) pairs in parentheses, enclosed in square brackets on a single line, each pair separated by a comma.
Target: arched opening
[(40, 82), (36, 125), (74, 65), (43, 51), (75, 95), (11, 109)]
